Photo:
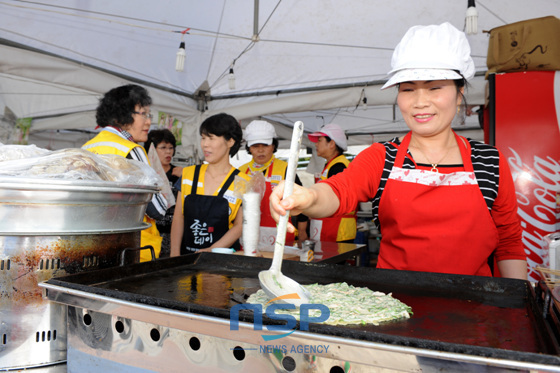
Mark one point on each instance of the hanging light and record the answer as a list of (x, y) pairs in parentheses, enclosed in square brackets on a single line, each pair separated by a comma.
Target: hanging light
[(231, 78), (181, 55), (471, 19)]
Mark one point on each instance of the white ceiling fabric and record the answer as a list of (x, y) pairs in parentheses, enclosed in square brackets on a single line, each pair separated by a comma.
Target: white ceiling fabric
[(310, 60)]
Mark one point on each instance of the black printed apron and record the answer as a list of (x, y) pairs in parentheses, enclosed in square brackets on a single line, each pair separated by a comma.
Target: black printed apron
[(206, 217)]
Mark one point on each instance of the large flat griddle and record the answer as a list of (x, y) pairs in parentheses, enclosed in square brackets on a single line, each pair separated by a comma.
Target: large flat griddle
[(485, 317)]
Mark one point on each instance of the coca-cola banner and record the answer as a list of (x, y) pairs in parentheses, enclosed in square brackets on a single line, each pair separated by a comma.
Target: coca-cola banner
[(527, 132)]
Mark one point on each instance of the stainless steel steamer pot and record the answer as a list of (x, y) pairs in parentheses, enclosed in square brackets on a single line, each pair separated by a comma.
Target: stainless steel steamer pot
[(50, 228), (36, 206)]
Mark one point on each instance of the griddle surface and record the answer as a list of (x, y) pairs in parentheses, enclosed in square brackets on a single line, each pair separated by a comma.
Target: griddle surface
[(465, 314)]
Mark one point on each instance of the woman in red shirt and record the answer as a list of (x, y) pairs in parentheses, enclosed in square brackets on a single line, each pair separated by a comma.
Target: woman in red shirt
[(443, 203)]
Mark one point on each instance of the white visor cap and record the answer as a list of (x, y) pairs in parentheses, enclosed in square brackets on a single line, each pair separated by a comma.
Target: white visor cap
[(434, 52)]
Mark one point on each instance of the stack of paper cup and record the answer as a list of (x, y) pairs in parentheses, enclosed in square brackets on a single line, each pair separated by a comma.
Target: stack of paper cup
[(251, 222), (552, 245)]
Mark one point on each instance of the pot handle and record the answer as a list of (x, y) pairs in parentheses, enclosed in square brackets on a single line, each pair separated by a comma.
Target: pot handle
[(123, 252)]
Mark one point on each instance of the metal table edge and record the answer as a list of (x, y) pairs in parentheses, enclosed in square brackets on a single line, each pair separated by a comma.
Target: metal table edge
[(153, 315)]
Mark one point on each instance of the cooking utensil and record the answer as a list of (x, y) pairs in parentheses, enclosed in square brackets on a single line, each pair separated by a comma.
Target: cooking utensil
[(50, 228), (480, 323), (32, 328), (52, 207), (273, 282)]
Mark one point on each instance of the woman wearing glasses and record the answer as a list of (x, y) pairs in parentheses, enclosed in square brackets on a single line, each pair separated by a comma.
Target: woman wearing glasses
[(165, 144), (124, 114)]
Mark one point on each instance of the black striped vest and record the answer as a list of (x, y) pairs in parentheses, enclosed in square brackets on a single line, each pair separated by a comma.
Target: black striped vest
[(485, 160)]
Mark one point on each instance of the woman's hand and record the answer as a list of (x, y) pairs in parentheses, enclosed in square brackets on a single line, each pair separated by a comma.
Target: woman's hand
[(318, 201), (294, 204)]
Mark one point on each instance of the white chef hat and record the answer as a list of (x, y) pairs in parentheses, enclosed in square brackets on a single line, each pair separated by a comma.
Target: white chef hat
[(435, 52), (259, 132)]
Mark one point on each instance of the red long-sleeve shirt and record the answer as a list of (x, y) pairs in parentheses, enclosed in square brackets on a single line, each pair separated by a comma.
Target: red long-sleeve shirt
[(360, 181)]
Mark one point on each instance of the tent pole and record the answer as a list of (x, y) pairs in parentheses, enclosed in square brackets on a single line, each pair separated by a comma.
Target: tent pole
[(256, 21)]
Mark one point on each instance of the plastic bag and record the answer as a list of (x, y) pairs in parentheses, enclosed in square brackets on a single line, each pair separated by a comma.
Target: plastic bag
[(156, 165), (13, 152), (129, 171), (78, 164), (256, 184)]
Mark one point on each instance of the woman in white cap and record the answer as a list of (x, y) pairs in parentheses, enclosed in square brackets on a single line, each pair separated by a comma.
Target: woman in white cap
[(443, 203), (262, 143), (330, 143)]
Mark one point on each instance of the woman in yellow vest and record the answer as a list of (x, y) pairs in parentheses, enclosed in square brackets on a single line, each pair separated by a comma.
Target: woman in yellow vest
[(124, 114), (208, 214), (330, 142), (262, 143)]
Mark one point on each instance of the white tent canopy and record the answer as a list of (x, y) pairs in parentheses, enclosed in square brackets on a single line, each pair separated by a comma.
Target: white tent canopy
[(313, 60)]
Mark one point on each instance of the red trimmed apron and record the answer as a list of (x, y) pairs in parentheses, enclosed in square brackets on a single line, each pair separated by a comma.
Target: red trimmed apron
[(267, 231), (326, 229), (434, 222)]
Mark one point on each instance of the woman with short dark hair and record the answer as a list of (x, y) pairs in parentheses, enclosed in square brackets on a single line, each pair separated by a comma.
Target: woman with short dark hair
[(124, 114), (208, 214)]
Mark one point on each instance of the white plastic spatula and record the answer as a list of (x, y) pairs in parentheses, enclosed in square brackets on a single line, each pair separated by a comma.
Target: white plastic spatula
[(273, 282)]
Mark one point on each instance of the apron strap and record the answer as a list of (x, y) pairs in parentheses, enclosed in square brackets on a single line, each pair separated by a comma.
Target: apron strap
[(194, 187), (228, 183), (402, 152)]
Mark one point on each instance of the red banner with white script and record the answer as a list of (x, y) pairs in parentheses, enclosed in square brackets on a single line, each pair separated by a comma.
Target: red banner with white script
[(527, 132)]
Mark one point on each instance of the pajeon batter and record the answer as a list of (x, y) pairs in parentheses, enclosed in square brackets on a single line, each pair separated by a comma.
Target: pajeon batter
[(347, 304)]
